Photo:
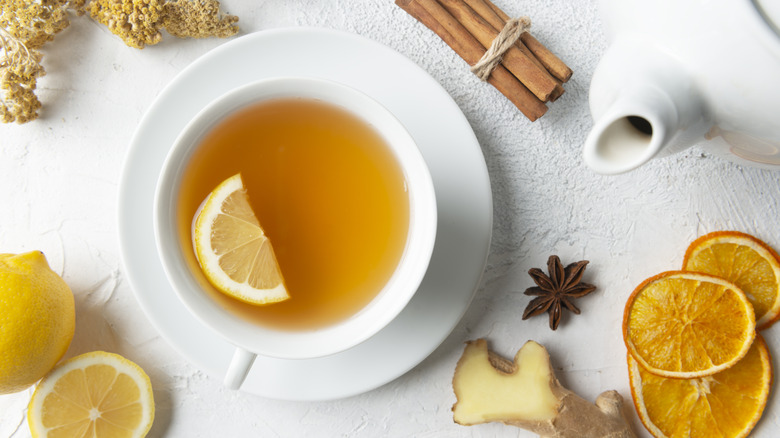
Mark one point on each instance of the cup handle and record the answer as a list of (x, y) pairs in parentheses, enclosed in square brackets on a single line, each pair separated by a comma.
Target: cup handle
[(239, 367)]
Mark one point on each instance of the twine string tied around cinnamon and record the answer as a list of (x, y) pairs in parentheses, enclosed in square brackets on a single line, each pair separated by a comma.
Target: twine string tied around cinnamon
[(503, 41)]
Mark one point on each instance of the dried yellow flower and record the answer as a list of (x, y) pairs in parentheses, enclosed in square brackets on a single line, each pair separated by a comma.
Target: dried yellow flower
[(33, 22), (20, 69), (198, 19), (26, 25), (137, 22)]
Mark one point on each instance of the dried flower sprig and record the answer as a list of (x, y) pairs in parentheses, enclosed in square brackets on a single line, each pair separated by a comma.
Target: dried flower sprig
[(36, 22), (27, 25), (198, 19), (138, 22), (20, 69)]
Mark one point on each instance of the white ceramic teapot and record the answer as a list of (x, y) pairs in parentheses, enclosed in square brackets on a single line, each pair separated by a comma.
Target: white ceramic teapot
[(680, 73)]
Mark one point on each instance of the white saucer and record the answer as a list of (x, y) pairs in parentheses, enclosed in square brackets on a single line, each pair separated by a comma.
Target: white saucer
[(446, 141)]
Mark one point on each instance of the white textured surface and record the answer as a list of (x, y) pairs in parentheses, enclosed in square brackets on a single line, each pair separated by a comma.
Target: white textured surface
[(59, 179)]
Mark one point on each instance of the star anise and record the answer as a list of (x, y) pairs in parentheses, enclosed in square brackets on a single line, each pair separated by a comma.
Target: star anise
[(556, 291)]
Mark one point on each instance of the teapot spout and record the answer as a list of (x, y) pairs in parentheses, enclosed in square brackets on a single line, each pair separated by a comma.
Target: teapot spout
[(644, 105), (634, 130)]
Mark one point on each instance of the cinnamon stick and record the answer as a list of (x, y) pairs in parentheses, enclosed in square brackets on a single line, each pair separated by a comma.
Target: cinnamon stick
[(488, 14), (552, 63), (435, 17), (534, 77), (487, 10), (483, 9)]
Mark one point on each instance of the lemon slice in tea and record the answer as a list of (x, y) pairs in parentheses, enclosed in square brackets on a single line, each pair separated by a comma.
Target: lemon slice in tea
[(232, 248)]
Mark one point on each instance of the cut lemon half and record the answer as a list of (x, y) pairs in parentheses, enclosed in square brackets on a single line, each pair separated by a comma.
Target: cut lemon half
[(726, 404), (93, 395), (745, 261), (685, 324), (232, 248)]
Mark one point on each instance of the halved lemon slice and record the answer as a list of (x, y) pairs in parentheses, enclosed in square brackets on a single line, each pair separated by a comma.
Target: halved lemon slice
[(726, 404), (686, 324), (745, 261), (232, 248), (93, 395)]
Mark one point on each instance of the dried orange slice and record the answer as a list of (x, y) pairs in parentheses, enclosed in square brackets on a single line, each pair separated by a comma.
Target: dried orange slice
[(686, 324), (745, 261), (232, 248), (726, 404)]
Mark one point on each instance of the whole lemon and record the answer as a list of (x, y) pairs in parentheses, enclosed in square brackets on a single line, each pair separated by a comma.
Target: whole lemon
[(37, 319)]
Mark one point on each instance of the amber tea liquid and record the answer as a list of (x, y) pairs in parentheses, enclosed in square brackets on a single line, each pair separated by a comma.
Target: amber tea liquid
[(329, 194)]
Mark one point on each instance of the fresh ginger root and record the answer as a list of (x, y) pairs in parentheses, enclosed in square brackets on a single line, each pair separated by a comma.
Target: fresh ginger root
[(525, 393)]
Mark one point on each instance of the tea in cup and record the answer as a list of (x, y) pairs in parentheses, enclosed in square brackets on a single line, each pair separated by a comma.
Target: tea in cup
[(341, 191)]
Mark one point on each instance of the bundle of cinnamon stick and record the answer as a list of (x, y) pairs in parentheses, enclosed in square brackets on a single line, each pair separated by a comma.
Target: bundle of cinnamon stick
[(529, 75)]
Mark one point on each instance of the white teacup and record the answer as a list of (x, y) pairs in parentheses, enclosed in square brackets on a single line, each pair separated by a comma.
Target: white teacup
[(251, 339)]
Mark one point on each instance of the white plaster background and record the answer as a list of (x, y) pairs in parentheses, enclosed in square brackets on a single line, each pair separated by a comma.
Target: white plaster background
[(58, 193)]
